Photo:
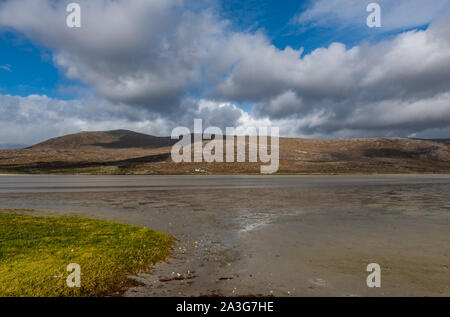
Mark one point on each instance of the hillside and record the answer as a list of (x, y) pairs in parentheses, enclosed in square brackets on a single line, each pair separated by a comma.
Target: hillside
[(116, 139), (127, 152)]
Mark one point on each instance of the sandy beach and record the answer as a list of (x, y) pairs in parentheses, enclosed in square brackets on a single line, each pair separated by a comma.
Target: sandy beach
[(268, 235)]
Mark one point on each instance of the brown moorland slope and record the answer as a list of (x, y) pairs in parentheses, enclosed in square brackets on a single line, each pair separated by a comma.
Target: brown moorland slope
[(115, 139), (127, 152)]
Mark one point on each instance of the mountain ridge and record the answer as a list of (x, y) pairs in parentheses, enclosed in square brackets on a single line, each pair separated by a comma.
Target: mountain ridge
[(114, 139), (129, 152)]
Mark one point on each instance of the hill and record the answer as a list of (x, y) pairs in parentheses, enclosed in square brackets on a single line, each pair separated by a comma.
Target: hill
[(127, 152), (115, 139)]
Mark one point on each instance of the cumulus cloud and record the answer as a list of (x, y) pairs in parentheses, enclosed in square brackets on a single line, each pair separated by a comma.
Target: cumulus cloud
[(157, 64), (140, 52), (28, 120), (338, 88), (31, 119)]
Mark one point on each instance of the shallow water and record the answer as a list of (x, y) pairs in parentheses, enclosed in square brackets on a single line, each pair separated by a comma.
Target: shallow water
[(263, 235)]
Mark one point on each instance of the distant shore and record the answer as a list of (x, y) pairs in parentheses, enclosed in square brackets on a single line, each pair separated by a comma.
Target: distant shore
[(124, 152)]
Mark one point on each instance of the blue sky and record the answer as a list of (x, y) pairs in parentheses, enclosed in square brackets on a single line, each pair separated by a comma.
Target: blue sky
[(31, 68), (33, 72), (275, 19), (313, 68)]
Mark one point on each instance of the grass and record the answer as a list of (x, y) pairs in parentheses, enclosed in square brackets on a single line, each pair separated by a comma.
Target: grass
[(35, 252)]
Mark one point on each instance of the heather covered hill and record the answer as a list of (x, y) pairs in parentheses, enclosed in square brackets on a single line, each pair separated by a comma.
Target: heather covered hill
[(375, 155), (127, 152), (116, 139)]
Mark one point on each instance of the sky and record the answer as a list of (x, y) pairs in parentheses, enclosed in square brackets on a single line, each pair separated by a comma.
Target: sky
[(312, 68)]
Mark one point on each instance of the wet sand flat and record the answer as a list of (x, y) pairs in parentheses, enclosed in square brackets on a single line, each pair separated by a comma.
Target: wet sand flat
[(268, 235)]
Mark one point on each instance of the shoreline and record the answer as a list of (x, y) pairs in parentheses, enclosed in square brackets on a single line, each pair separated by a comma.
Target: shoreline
[(313, 237)]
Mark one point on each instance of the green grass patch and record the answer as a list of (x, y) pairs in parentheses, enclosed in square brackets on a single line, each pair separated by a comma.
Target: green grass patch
[(35, 252)]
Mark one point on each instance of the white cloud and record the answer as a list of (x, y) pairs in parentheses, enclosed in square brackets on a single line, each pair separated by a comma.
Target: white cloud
[(31, 119), (140, 52), (396, 14), (6, 67), (335, 86), (146, 60)]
